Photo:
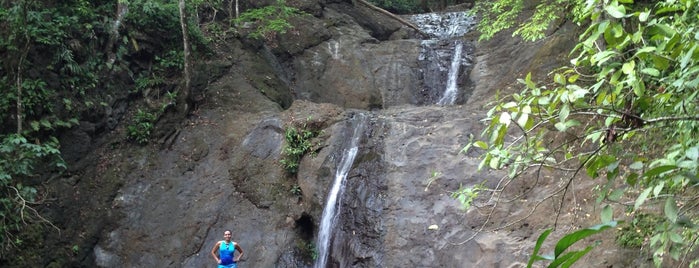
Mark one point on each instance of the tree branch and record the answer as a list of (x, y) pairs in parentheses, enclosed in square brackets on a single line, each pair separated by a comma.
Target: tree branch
[(393, 16)]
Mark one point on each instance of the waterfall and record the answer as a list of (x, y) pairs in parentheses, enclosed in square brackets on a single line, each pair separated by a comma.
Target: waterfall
[(450, 92), (441, 55), (332, 204)]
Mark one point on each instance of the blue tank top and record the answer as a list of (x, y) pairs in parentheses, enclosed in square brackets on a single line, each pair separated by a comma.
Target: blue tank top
[(226, 251)]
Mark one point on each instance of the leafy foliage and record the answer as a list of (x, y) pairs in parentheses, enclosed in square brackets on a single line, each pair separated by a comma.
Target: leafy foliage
[(298, 143), (308, 249), (141, 127), (56, 66), (19, 159), (561, 258), (503, 14), (637, 232), (296, 190), (466, 195), (268, 20), (624, 111)]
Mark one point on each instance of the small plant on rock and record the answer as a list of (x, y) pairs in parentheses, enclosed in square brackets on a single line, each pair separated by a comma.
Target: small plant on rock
[(298, 143), (142, 126), (296, 190)]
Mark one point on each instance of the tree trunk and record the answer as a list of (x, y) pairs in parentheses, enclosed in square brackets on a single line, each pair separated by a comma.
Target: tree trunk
[(186, 91)]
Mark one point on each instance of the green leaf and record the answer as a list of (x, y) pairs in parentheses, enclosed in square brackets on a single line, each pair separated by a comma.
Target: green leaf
[(606, 214), (687, 57), (523, 119), (576, 236), (537, 248), (651, 71), (643, 16), (671, 209), (658, 188), (636, 165), (570, 258), (505, 118), (641, 198), (563, 114), (628, 67), (615, 10), (659, 170), (693, 153), (616, 195)]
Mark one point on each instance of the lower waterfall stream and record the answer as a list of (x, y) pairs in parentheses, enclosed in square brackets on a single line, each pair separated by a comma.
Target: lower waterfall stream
[(332, 204)]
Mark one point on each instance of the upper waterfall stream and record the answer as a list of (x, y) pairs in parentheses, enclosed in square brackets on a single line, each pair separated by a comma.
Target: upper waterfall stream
[(442, 54)]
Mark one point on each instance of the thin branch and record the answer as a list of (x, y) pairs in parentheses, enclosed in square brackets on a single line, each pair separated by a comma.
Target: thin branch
[(555, 223)]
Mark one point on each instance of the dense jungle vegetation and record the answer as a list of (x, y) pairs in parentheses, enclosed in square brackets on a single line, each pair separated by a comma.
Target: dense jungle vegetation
[(624, 113), (64, 62)]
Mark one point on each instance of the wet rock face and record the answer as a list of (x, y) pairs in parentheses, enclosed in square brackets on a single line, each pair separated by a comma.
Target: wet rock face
[(435, 63), (370, 71)]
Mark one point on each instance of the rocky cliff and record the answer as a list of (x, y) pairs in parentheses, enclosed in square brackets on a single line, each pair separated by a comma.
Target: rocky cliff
[(166, 204)]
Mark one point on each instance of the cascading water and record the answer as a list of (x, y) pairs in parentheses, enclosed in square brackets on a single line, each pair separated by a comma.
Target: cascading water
[(450, 93), (332, 204), (444, 46)]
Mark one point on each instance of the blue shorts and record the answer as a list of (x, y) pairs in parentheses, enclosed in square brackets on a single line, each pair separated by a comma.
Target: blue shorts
[(232, 265)]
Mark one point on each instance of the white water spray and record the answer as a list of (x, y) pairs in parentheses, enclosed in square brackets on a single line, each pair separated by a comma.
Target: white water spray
[(450, 92), (332, 203)]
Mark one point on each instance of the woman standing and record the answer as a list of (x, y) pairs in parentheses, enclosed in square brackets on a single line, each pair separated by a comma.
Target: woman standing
[(224, 252)]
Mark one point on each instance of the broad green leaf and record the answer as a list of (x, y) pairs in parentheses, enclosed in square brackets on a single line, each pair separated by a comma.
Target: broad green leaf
[(651, 71), (641, 198), (522, 120), (573, 78), (693, 153), (671, 209), (509, 105), (666, 9), (659, 170), (661, 29), (644, 50), (616, 195), (606, 214), (615, 10), (560, 126), (643, 16), (601, 57), (563, 114), (528, 81), (505, 118), (674, 237), (658, 188), (481, 144), (570, 258), (687, 164), (570, 239), (636, 165), (537, 248), (628, 67), (632, 179), (494, 163), (687, 57)]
